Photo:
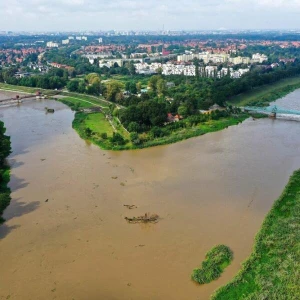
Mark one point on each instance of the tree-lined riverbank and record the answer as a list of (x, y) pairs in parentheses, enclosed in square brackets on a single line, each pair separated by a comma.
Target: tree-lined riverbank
[(4, 171), (262, 96), (95, 128)]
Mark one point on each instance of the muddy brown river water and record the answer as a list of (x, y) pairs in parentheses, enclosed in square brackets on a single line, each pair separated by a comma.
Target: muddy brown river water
[(66, 238)]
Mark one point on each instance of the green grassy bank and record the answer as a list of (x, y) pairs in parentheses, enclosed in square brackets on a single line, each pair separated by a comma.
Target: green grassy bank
[(24, 89), (4, 171), (272, 270), (263, 95), (98, 125)]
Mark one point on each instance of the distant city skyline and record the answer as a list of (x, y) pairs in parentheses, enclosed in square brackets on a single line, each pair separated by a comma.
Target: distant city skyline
[(81, 15)]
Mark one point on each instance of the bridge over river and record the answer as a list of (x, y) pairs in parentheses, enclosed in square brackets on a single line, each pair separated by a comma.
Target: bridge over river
[(272, 111)]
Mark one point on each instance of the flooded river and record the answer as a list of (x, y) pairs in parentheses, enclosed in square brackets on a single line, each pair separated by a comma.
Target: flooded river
[(66, 238)]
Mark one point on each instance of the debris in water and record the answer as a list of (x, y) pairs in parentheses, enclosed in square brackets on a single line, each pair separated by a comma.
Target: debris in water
[(122, 184), (43, 159), (130, 206), (49, 110), (46, 200), (147, 218), (115, 177)]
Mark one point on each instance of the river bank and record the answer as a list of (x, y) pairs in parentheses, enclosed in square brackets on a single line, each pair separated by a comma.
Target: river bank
[(263, 95), (4, 171), (272, 269)]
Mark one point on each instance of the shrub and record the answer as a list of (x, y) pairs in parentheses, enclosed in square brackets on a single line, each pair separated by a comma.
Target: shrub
[(216, 260), (103, 135), (133, 127), (117, 139), (134, 137), (88, 132)]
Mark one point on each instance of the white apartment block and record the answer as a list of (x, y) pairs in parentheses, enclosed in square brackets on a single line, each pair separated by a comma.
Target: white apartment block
[(138, 55), (65, 42), (52, 45), (205, 56), (91, 57), (239, 60), (187, 70), (238, 73), (259, 58)]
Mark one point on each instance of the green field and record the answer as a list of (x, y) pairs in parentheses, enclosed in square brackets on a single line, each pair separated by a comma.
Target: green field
[(98, 124), (136, 78), (272, 270), (93, 99), (267, 93), (77, 103)]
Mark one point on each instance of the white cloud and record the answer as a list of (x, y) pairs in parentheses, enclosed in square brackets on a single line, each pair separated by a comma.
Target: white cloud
[(150, 14)]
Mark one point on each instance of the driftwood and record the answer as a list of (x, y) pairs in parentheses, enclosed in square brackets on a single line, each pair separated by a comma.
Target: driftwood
[(130, 206), (147, 218)]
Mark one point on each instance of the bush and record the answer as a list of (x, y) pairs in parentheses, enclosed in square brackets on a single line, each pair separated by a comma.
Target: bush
[(134, 137), (117, 139), (133, 127), (103, 135), (156, 132), (216, 260), (88, 132)]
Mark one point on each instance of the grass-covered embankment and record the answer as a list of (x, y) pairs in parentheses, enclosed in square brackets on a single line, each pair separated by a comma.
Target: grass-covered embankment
[(216, 260), (25, 89), (4, 171), (272, 270), (263, 95)]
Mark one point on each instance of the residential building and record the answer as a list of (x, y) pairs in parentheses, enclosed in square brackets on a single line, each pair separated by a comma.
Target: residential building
[(259, 58), (239, 60), (52, 45)]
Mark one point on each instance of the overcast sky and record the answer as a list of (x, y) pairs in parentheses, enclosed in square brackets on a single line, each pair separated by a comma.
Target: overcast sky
[(74, 15)]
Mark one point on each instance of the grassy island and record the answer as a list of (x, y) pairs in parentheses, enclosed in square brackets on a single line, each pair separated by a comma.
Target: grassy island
[(4, 171), (272, 270), (216, 260)]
